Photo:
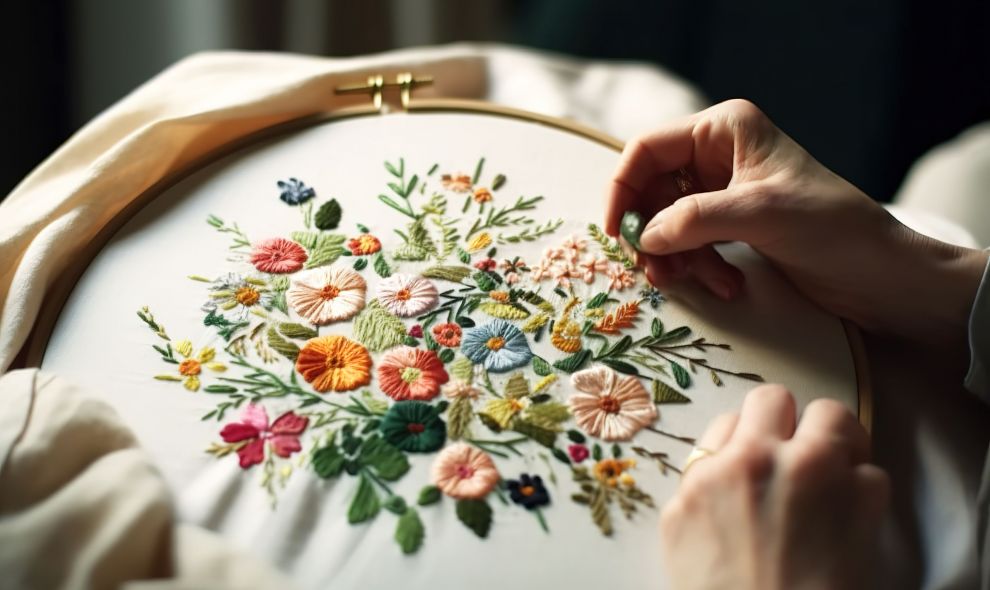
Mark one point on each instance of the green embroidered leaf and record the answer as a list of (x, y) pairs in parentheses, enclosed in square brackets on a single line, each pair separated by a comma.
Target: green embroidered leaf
[(409, 531), (596, 452), (365, 504), (328, 215), (361, 263), (395, 505), (499, 411), (597, 301), (574, 362), (681, 376), (381, 266), (517, 386), (279, 303), (620, 366), (549, 415), (576, 436), (220, 389), (429, 495), (410, 252), (465, 322), (290, 330), (459, 416), (656, 328), (454, 274), (673, 336), (462, 369), (665, 394), (377, 328), (537, 300), (476, 515), (463, 255), (616, 451), (388, 462), (498, 182), (281, 345), (631, 228), (599, 510), (485, 281), (446, 355), (541, 435), (490, 422), (561, 456), (322, 248), (541, 367), (504, 311)]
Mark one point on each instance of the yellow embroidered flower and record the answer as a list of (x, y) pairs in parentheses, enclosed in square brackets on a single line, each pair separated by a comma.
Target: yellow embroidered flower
[(500, 296), (566, 333), (479, 242), (190, 367), (610, 471)]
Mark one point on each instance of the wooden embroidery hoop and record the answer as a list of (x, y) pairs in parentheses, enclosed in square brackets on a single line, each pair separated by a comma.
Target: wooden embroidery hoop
[(380, 91)]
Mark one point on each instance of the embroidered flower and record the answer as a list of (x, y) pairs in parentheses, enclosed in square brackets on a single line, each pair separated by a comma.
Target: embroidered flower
[(413, 427), (294, 192), (458, 388), (448, 334), (653, 295), (573, 246), (609, 406), (464, 472), (253, 430), (619, 277), (278, 256), (334, 363), (325, 295), (528, 491), (364, 244), (416, 331), (407, 295), (613, 471), (542, 270), (479, 242), (459, 183), (192, 366), (411, 373), (234, 296), (500, 296), (512, 278), (561, 275), (588, 266), (578, 452), (498, 345), (482, 195), (486, 264)]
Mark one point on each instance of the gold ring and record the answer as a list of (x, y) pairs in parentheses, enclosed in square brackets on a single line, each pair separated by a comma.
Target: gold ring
[(696, 454), (684, 181)]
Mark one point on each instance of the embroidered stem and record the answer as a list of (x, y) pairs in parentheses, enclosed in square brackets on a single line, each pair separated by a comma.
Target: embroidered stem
[(684, 439)]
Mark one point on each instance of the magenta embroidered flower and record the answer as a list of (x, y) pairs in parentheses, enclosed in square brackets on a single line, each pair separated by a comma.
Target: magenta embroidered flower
[(407, 295), (416, 331), (278, 256), (578, 452), (253, 431)]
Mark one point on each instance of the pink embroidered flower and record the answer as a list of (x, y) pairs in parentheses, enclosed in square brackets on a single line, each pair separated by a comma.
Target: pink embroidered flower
[(561, 275), (407, 295), (416, 331), (573, 246), (589, 265), (458, 389), (619, 277), (459, 183), (464, 472), (551, 254), (608, 406), (542, 270), (486, 264), (325, 295), (578, 452), (411, 373), (512, 277), (278, 255), (282, 436)]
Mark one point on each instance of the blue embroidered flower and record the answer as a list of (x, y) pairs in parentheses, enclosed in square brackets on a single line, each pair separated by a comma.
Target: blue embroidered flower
[(294, 192), (651, 294), (528, 491), (498, 345)]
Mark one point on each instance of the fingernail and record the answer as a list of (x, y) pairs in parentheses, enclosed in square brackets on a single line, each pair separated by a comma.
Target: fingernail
[(652, 240)]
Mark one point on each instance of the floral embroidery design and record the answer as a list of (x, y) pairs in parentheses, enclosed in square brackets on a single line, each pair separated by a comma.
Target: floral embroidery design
[(356, 382)]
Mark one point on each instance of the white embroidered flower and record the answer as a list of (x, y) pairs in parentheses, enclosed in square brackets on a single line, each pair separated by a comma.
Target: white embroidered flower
[(407, 295), (325, 295), (233, 296)]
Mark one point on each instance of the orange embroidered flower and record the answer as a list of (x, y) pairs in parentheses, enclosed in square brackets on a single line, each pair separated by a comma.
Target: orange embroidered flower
[(500, 296), (325, 295), (278, 255), (459, 183), (611, 472), (411, 373), (464, 472), (364, 244), (448, 334), (334, 363), (482, 195)]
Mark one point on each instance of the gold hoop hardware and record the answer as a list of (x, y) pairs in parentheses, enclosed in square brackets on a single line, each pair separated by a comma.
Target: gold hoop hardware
[(376, 86)]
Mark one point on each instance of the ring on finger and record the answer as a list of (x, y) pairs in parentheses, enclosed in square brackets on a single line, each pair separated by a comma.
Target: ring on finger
[(696, 454)]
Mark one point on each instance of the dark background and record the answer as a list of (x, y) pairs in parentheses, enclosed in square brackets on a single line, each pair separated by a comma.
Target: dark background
[(867, 86)]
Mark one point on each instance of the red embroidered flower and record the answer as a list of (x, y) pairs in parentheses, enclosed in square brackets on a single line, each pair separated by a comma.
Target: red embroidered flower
[(416, 331), (486, 264), (447, 334), (278, 255), (282, 435), (411, 373), (364, 244), (578, 453)]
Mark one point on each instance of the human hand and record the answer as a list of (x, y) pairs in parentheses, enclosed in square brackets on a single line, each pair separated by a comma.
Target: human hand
[(777, 507), (752, 183)]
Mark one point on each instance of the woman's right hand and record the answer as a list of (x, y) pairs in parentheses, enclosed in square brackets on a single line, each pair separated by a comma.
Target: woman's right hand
[(749, 182)]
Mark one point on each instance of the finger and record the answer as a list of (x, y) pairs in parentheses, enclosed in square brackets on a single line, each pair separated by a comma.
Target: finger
[(660, 152), (663, 271), (872, 491), (709, 268), (768, 411), (830, 419), (719, 431)]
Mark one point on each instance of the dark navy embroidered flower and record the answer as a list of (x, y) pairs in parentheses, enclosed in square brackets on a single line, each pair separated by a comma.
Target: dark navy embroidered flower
[(295, 192), (528, 491), (653, 295)]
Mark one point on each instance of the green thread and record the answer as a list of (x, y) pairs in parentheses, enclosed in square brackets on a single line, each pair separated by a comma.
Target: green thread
[(298, 331), (681, 376), (535, 322), (477, 171), (281, 345), (409, 531), (461, 368), (531, 234), (328, 215), (596, 301), (517, 386), (365, 504), (573, 362), (459, 416), (549, 415), (499, 182), (541, 435), (381, 266), (610, 248), (377, 328), (665, 394), (537, 300), (541, 367), (429, 495), (485, 281), (323, 249), (476, 515), (504, 311), (454, 274)]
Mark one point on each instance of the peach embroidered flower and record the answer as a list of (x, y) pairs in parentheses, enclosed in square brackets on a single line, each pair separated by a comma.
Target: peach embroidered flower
[(334, 363), (458, 389), (464, 472), (364, 244), (482, 195), (407, 295), (619, 277), (278, 255), (411, 373), (459, 183), (573, 246), (588, 266), (448, 334), (608, 406), (325, 295)]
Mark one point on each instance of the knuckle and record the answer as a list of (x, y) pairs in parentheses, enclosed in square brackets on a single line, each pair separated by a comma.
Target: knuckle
[(744, 112), (831, 412), (813, 459), (770, 392), (686, 215)]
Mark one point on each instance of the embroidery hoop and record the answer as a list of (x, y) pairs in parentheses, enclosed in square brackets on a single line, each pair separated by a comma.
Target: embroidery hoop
[(34, 350)]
